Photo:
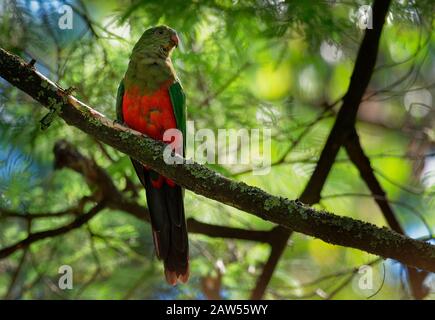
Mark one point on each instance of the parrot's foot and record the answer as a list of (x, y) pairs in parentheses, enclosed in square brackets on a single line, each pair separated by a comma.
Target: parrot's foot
[(68, 91), (31, 64), (48, 119), (121, 123)]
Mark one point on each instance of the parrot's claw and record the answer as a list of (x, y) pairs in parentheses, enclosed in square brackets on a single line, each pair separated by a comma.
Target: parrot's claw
[(47, 119), (70, 90), (299, 202), (31, 64), (121, 123)]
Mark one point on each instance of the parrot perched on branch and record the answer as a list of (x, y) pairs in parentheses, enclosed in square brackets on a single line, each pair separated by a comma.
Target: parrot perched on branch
[(151, 100)]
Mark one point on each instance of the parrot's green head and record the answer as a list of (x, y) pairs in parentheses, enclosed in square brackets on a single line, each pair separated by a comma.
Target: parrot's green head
[(157, 41)]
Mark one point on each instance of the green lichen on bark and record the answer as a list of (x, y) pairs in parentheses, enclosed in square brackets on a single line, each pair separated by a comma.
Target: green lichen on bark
[(95, 121), (124, 135), (201, 172), (271, 203)]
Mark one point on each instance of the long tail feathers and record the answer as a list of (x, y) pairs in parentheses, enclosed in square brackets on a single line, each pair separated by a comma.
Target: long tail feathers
[(166, 207)]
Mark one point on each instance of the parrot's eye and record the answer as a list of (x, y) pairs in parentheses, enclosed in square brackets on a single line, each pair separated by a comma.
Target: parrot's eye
[(160, 31)]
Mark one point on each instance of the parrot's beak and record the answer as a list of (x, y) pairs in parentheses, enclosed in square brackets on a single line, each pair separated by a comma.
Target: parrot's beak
[(175, 40)]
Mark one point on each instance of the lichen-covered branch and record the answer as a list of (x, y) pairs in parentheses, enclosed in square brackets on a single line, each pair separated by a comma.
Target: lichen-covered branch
[(329, 227)]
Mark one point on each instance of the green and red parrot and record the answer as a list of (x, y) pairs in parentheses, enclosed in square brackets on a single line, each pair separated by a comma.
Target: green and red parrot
[(151, 100)]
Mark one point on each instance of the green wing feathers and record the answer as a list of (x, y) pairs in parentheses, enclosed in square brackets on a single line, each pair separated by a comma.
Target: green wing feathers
[(119, 98), (178, 100)]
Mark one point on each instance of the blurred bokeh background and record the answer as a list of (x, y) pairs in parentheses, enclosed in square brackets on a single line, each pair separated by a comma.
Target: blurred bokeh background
[(244, 64)]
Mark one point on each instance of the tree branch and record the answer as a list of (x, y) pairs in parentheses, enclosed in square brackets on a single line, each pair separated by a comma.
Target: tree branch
[(346, 117), (37, 236), (278, 246), (76, 210), (195, 226), (362, 162)]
